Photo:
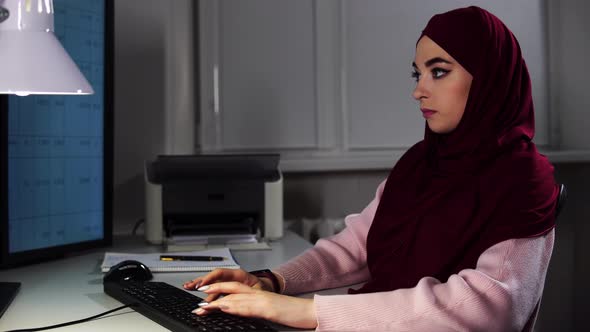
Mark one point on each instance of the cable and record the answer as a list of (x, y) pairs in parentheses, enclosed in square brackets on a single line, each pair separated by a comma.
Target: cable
[(137, 224), (73, 322)]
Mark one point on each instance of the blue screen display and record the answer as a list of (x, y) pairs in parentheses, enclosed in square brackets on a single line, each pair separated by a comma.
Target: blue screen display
[(55, 145)]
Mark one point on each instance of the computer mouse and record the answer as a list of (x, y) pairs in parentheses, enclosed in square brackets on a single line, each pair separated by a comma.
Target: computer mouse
[(129, 270)]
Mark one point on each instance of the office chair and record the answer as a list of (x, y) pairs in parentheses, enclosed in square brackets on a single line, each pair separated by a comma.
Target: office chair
[(561, 198)]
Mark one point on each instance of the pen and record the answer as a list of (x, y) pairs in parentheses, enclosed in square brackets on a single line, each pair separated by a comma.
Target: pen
[(190, 258)]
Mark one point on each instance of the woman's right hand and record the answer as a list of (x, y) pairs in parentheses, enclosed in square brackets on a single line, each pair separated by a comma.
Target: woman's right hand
[(223, 275)]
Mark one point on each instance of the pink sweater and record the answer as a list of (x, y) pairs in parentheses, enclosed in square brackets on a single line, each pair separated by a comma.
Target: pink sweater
[(500, 294)]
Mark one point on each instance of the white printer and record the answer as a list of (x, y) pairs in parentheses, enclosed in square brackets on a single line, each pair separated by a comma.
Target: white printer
[(213, 197)]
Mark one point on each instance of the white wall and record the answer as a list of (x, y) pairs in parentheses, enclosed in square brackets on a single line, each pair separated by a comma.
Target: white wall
[(569, 53), (139, 102), (326, 80), (139, 84)]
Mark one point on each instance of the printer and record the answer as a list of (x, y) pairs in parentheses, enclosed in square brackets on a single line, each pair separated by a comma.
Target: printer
[(213, 198)]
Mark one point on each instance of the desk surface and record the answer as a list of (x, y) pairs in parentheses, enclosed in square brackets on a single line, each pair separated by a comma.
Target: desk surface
[(71, 288)]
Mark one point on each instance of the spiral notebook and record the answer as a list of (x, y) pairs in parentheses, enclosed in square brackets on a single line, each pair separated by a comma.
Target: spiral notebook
[(153, 262)]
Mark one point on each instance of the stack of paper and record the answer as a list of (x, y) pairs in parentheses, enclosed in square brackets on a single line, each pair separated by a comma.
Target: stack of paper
[(212, 239), (202, 242), (153, 262)]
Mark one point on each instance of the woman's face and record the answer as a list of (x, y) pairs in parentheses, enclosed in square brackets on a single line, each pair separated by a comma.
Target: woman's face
[(442, 86)]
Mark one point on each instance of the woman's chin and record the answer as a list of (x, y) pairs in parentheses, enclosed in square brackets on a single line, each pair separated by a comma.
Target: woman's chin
[(439, 129)]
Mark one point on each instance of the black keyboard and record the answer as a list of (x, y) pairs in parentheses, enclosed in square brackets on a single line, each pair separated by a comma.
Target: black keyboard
[(171, 307)]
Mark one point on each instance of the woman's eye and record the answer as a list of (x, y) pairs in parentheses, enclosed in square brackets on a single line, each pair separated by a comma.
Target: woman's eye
[(416, 75), (439, 72)]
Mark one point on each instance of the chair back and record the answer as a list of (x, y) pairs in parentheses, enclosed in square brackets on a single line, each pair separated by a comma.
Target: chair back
[(561, 198)]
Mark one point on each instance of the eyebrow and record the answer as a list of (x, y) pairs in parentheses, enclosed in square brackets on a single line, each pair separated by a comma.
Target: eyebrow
[(432, 62)]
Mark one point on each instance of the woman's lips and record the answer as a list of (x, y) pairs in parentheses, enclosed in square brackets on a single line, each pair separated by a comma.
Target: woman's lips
[(427, 112)]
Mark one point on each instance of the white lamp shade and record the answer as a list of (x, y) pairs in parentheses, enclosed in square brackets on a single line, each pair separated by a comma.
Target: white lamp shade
[(32, 60)]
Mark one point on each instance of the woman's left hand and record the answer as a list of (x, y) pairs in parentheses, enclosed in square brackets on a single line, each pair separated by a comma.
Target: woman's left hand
[(242, 300)]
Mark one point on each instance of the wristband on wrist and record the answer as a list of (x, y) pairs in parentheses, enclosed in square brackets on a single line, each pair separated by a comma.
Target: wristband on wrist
[(266, 273)]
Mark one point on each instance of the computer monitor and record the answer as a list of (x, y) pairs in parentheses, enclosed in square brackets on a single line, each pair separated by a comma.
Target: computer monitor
[(56, 151)]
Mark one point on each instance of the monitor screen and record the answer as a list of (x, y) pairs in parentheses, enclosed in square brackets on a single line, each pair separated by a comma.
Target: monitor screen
[(56, 155)]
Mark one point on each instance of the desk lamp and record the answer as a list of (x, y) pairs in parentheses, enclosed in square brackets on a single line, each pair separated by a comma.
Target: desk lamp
[(32, 60)]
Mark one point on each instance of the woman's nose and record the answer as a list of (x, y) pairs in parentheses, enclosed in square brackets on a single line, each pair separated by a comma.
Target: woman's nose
[(419, 91)]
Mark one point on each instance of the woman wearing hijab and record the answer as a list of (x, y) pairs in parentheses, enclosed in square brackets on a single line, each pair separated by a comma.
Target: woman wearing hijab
[(459, 236)]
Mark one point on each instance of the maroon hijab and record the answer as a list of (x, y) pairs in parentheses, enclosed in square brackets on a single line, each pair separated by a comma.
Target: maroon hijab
[(452, 196)]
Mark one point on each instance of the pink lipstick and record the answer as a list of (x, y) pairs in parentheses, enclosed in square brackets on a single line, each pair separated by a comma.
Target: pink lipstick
[(427, 113)]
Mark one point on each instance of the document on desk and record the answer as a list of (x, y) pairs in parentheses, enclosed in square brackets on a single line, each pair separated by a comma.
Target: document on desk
[(153, 262)]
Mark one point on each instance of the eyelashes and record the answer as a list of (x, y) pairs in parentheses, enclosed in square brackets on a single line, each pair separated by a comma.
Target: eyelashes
[(437, 73)]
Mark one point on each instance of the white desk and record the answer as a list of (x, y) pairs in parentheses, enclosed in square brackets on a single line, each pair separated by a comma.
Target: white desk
[(70, 289)]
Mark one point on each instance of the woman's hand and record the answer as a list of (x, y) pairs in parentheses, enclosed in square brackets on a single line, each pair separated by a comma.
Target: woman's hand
[(221, 275), (243, 300)]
